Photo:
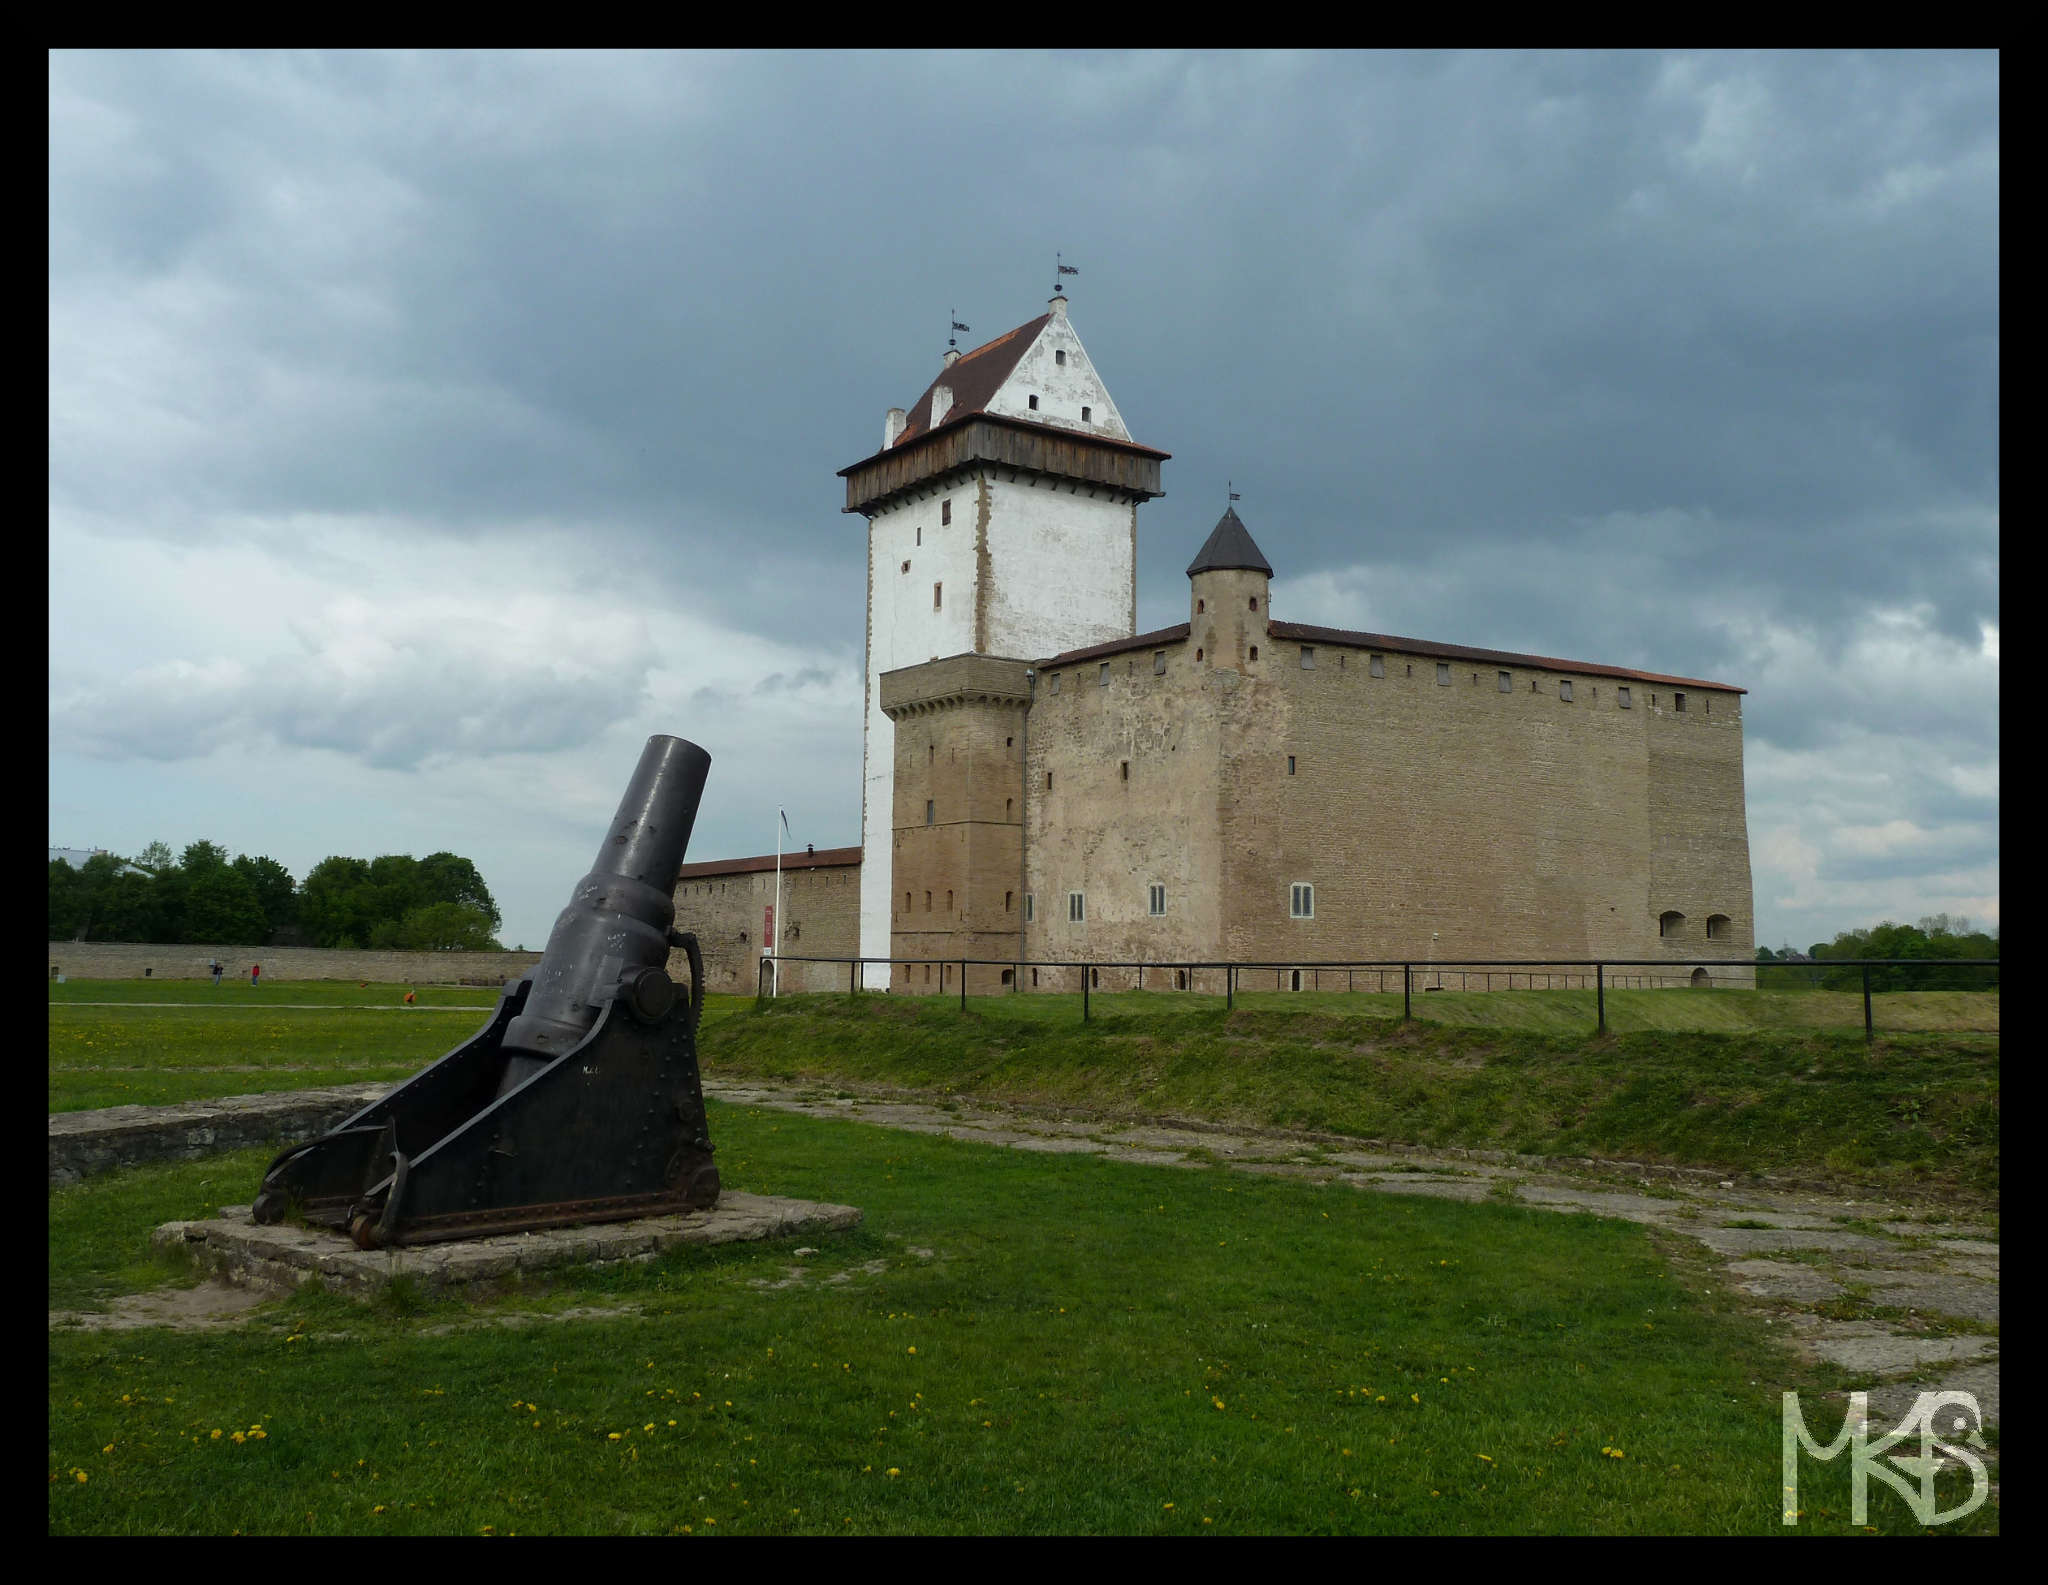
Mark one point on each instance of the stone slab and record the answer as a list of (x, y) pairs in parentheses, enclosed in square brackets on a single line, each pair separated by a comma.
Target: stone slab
[(233, 1246), (83, 1143)]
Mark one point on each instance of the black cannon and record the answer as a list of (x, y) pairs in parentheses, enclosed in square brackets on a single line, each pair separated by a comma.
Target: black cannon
[(579, 1101)]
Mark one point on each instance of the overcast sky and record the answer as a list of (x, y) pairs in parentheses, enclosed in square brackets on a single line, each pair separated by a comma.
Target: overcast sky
[(427, 430)]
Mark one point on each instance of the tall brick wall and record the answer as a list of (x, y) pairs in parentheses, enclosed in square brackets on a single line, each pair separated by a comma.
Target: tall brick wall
[(115, 960)]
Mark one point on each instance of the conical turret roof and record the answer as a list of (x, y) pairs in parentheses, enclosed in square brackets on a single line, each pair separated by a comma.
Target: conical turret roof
[(1229, 547)]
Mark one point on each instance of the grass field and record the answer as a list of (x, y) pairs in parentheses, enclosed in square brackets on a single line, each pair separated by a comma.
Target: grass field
[(1011, 1343), (111, 1045)]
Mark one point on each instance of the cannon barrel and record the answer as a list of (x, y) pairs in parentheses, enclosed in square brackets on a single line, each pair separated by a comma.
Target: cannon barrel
[(613, 938)]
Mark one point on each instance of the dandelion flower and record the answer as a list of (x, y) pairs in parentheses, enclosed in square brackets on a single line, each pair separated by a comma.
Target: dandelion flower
[(913, 1348), (216, 1438), (895, 1472), (81, 1476), (378, 1509), (614, 1437), (1415, 1397), (108, 1448), (1169, 1505), (670, 1422)]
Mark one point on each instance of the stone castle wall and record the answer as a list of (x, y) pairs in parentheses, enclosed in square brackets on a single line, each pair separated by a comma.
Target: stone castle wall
[(821, 918), (120, 960), (1437, 810)]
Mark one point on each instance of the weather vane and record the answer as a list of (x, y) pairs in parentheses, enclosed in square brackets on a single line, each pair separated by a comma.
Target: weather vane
[(1061, 269), (1230, 492), (957, 326)]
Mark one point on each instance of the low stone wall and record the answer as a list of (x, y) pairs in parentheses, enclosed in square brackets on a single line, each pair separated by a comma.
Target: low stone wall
[(122, 960), (83, 1143)]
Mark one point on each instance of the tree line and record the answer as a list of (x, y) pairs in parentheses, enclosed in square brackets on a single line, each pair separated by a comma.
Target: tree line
[(1936, 936), (435, 904)]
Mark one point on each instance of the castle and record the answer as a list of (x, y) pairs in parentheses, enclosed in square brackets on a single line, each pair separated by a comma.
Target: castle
[(1042, 782)]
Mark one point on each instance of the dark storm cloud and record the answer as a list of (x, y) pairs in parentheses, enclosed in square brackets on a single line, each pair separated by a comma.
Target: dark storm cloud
[(1682, 362)]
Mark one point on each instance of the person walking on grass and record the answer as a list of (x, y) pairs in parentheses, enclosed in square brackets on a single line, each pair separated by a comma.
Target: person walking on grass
[(255, 973), (215, 966)]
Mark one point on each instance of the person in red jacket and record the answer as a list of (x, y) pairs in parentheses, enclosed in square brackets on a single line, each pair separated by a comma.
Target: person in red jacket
[(255, 972)]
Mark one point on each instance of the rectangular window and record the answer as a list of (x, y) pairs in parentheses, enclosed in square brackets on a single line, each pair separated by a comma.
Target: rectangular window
[(1301, 901), (1507, 683), (945, 513), (1033, 401), (928, 820), (1006, 901), (1030, 907), (1087, 415), (1308, 657), (1378, 666), (1060, 358), (1564, 690), (927, 902), (1443, 674), (949, 902), (1102, 674), (1048, 781), (1290, 764), (938, 595), (1077, 910), (1158, 662), (920, 534), (1155, 903), (1125, 766), (906, 566), (1678, 702), (1621, 697), (1055, 683)]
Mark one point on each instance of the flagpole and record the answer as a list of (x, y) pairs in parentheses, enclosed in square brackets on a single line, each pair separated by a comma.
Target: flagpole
[(775, 950)]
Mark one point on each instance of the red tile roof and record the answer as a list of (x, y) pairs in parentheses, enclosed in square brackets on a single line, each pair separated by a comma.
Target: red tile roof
[(1116, 646), (974, 379), (822, 859)]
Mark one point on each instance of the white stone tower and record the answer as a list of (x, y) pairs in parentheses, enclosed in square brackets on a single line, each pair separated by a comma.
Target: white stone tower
[(1002, 520)]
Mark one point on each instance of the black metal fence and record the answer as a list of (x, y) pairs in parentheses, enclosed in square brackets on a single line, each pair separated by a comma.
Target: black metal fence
[(1409, 975)]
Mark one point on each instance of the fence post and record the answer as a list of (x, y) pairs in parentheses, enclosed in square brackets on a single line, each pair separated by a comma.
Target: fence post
[(1600, 994), (853, 978), (1084, 994), (760, 980), (1867, 1034), (1229, 985), (1407, 979), (963, 985)]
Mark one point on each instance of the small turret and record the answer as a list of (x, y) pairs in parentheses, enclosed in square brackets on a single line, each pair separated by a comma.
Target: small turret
[(1229, 582)]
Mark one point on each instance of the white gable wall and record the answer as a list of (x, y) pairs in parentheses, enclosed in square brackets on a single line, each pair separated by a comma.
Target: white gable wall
[(1062, 390)]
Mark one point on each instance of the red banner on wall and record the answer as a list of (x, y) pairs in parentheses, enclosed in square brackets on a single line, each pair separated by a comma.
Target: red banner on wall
[(768, 926)]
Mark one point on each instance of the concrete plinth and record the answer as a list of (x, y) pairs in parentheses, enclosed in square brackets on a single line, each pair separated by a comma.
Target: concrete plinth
[(233, 1246)]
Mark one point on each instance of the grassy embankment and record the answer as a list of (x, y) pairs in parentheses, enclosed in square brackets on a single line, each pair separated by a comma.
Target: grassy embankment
[(1011, 1343), (1914, 1110)]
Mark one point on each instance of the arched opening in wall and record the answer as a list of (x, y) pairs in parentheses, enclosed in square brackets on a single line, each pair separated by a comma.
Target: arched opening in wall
[(1198, 654), (1717, 926), (1180, 979), (1095, 979), (1034, 979), (1668, 923), (1255, 652), (1701, 979), (1294, 980), (1009, 976), (1201, 606)]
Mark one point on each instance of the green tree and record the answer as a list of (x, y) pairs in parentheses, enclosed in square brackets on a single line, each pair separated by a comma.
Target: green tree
[(157, 857), (221, 908), (67, 902), (333, 901), (450, 878), (274, 890), (446, 927)]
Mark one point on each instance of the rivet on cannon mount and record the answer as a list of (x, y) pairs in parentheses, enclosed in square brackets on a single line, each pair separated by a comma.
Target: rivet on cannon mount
[(528, 1123)]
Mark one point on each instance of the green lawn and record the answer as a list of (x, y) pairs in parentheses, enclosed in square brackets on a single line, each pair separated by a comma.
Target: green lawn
[(237, 1042), (1012, 1343)]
